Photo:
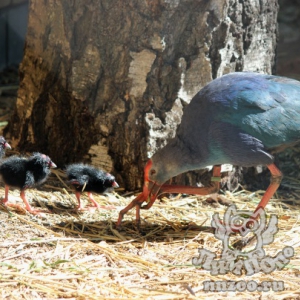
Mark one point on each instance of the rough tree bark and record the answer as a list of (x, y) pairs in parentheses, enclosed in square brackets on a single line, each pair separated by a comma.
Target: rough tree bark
[(107, 81)]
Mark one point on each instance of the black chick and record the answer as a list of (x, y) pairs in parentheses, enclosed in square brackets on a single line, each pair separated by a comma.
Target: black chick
[(87, 178), (24, 173), (3, 145)]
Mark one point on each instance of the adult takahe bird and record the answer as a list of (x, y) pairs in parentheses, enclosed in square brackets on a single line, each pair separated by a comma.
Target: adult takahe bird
[(87, 178), (239, 119), (23, 173), (3, 146)]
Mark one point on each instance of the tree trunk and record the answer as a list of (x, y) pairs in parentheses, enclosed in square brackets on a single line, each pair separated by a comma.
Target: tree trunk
[(107, 81)]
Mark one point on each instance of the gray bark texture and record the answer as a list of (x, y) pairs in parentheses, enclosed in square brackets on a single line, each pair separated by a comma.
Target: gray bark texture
[(106, 81)]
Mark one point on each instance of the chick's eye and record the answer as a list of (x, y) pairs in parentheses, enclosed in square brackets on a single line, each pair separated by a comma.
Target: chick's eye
[(152, 172)]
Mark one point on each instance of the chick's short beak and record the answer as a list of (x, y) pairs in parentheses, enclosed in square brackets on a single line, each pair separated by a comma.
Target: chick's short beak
[(7, 145), (53, 165), (115, 185)]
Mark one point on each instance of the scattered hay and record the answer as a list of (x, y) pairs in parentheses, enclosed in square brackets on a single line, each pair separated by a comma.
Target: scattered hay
[(70, 255)]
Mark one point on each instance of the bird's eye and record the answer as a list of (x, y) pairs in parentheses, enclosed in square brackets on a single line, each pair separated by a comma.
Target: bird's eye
[(152, 172)]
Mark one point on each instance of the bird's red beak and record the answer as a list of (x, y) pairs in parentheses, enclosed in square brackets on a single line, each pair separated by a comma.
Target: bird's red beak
[(7, 145)]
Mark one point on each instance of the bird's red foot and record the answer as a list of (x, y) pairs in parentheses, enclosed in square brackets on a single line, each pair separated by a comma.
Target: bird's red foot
[(32, 211), (16, 206), (39, 212), (80, 208), (96, 205)]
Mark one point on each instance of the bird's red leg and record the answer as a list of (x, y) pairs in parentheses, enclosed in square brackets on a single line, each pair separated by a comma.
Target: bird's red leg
[(28, 206), (213, 188), (134, 203), (96, 205), (167, 188), (276, 177), (90, 195), (78, 194), (5, 200), (91, 198), (23, 197), (137, 216)]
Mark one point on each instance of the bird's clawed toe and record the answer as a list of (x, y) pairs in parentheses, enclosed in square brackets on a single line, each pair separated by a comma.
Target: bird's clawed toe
[(15, 206), (39, 211), (31, 210)]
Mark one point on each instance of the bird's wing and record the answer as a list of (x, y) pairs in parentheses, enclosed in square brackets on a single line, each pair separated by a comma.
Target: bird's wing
[(79, 180), (29, 179), (266, 109)]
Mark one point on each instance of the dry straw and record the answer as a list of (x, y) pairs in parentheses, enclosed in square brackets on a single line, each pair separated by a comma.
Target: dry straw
[(70, 255)]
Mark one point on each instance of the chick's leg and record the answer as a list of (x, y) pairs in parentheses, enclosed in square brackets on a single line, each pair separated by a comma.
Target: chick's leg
[(78, 194), (96, 205), (28, 206), (17, 206), (5, 200)]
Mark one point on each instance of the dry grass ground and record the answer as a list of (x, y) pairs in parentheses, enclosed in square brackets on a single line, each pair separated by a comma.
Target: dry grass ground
[(69, 255)]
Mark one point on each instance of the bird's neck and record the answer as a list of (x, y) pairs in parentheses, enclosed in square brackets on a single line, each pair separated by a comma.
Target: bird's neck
[(174, 159)]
